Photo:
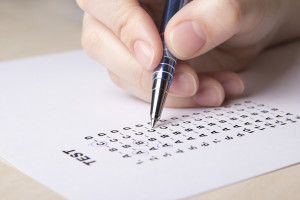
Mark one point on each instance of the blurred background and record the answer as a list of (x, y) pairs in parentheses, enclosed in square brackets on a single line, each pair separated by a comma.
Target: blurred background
[(35, 27)]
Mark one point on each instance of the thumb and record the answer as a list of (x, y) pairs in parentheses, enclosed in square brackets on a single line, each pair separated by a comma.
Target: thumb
[(202, 25)]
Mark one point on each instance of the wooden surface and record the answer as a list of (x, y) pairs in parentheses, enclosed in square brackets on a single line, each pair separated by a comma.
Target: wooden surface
[(35, 27)]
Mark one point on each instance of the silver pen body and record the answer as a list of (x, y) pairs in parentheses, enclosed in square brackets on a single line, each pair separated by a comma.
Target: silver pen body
[(163, 73)]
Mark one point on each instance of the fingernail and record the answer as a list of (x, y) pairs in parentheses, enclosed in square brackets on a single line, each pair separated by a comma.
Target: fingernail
[(183, 84), (144, 53), (187, 38), (209, 96), (233, 87)]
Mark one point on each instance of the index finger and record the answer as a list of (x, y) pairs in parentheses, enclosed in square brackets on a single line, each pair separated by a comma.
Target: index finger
[(131, 24)]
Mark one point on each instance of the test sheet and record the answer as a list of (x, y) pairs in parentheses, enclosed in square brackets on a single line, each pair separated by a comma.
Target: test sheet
[(64, 123)]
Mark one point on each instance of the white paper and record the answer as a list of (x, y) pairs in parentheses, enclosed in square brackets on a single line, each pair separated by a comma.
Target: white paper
[(65, 124)]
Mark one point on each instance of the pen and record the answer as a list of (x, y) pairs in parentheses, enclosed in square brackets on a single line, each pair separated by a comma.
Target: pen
[(163, 73)]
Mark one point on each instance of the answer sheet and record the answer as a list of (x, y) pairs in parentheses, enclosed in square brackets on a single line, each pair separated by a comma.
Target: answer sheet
[(64, 123)]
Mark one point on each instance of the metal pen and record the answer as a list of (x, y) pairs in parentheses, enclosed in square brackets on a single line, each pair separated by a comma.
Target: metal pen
[(163, 73)]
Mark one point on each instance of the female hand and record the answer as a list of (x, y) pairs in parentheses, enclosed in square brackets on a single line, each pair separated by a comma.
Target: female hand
[(213, 38)]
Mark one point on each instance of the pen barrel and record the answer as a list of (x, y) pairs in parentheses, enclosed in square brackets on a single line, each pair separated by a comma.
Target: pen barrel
[(171, 8), (166, 68), (163, 73)]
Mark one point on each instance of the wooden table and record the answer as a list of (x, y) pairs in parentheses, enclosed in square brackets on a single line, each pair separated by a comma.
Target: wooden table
[(35, 27)]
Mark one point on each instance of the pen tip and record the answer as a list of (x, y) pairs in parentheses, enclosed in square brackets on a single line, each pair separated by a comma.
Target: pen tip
[(153, 122)]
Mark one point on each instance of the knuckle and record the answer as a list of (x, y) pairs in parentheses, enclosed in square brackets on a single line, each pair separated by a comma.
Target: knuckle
[(127, 22), (235, 11), (92, 37)]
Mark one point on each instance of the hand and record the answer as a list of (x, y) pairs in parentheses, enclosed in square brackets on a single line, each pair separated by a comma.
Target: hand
[(213, 38)]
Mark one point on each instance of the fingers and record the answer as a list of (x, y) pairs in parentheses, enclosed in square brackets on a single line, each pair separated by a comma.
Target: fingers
[(101, 44), (120, 46), (202, 25), (210, 93), (131, 24), (105, 47), (185, 81), (232, 83), (211, 90), (188, 88)]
